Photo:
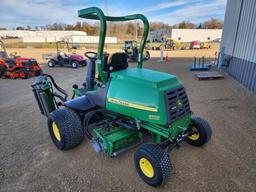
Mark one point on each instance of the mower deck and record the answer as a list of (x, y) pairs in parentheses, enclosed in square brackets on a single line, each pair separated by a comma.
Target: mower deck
[(118, 139)]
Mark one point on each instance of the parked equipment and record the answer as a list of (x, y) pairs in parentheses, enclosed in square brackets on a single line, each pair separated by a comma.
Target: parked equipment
[(205, 45), (195, 45), (131, 49), (198, 66), (14, 66), (170, 44), (122, 108), (66, 59)]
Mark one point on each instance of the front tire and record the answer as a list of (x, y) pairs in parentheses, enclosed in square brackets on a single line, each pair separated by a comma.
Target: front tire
[(24, 74), (201, 132), (152, 164), (39, 72), (65, 128)]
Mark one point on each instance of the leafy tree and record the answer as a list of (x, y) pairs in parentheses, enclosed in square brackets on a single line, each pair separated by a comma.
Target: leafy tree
[(20, 28), (213, 24), (186, 25)]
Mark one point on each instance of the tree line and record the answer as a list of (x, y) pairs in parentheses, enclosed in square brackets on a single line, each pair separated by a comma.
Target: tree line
[(127, 28)]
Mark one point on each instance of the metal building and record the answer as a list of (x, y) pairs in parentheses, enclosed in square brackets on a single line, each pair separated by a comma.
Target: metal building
[(186, 35), (53, 36), (239, 42)]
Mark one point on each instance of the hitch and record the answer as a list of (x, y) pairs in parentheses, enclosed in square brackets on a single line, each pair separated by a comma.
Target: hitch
[(171, 144)]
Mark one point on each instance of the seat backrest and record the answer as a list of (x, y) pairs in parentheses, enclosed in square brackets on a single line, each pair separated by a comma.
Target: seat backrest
[(116, 62)]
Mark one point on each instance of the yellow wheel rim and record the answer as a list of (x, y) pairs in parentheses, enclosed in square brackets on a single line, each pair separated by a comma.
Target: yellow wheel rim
[(146, 167), (56, 131), (194, 136)]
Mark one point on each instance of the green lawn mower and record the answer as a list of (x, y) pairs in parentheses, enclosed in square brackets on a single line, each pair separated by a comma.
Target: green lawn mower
[(122, 108)]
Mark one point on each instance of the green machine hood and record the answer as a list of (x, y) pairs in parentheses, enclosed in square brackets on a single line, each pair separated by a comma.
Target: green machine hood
[(140, 93)]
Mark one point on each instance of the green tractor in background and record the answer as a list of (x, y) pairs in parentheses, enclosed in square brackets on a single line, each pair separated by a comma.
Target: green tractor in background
[(122, 108), (132, 51)]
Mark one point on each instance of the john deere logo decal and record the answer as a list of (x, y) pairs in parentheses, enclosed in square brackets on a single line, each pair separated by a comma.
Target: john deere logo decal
[(179, 104)]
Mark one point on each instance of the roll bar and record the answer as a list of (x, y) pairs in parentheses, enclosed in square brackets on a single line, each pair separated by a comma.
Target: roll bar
[(62, 42), (97, 14)]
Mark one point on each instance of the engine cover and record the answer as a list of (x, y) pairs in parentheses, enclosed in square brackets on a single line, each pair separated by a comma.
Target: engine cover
[(143, 94)]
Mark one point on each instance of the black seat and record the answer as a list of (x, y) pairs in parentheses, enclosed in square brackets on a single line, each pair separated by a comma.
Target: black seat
[(11, 62), (116, 62), (80, 104)]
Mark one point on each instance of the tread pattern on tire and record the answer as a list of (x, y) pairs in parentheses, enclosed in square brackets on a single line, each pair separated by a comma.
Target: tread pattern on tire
[(161, 157), (70, 127), (202, 124)]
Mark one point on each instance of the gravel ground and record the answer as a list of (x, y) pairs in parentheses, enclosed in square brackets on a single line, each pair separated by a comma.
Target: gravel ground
[(30, 162)]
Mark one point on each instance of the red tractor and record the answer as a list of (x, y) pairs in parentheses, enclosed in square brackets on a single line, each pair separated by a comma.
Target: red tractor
[(17, 67)]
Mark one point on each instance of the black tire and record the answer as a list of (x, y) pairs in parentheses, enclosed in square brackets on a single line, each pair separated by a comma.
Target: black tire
[(39, 72), (25, 72), (202, 132), (51, 63), (74, 64), (159, 161), (69, 126), (147, 56), (3, 70), (83, 63)]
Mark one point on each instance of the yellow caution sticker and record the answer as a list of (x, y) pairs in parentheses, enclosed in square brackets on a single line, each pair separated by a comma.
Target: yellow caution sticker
[(132, 105)]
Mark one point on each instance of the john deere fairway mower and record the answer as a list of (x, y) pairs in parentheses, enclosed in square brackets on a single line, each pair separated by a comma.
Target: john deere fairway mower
[(122, 108)]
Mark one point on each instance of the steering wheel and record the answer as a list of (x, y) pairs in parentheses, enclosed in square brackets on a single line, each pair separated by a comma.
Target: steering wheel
[(91, 55)]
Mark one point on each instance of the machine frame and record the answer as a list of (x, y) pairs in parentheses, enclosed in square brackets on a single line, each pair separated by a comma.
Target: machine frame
[(71, 59), (122, 108)]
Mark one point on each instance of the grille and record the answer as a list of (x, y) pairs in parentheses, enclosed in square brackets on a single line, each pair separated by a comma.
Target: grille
[(177, 104)]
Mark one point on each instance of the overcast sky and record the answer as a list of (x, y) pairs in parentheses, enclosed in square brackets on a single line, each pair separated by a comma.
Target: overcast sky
[(15, 13)]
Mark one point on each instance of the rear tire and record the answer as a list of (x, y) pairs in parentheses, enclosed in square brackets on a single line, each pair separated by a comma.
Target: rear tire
[(74, 64), (152, 164), (51, 63), (3, 70), (202, 132), (65, 128), (84, 63), (147, 56), (39, 72)]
